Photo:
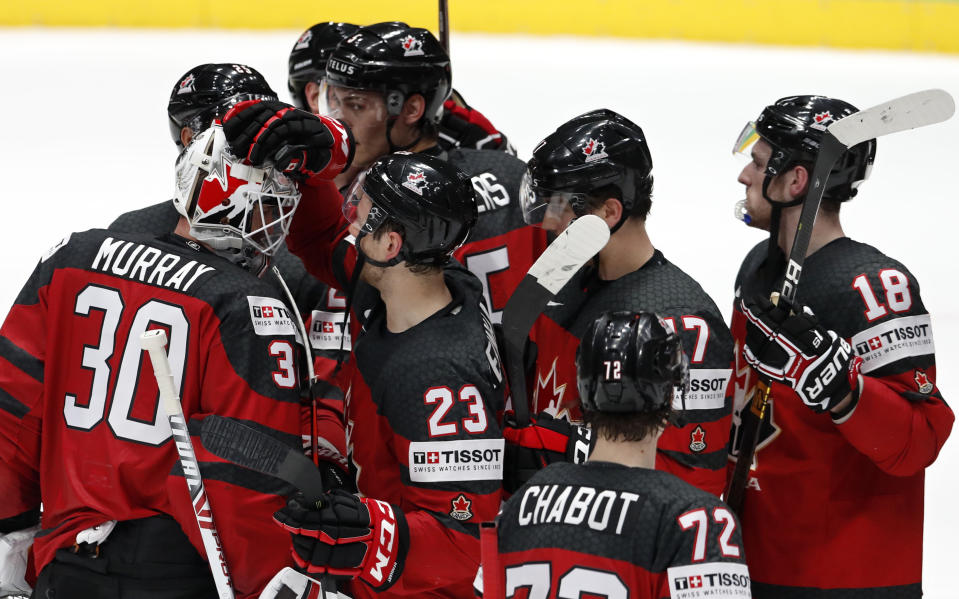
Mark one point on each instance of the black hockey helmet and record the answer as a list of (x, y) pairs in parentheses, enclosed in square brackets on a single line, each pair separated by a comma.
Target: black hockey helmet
[(433, 200), (207, 91), (794, 126), (397, 60), (309, 55), (588, 152), (629, 362)]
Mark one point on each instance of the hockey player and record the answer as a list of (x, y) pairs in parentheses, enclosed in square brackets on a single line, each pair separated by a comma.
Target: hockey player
[(422, 428), (307, 63), (202, 95), (855, 415), (615, 526), (388, 83), (80, 425), (599, 163)]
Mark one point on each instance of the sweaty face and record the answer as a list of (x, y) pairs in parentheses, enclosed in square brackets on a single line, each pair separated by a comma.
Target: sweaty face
[(752, 176), (364, 112)]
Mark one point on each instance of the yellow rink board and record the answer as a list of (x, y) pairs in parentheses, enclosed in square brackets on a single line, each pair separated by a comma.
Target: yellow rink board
[(925, 25)]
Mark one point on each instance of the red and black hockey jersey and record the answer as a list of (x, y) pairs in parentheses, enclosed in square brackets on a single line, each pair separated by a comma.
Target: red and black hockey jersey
[(695, 451), (607, 530), (501, 247), (81, 429), (834, 505), (421, 413), (321, 308)]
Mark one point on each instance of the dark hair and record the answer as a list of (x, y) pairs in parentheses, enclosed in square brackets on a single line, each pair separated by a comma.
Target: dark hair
[(627, 426), (391, 226), (641, 205)]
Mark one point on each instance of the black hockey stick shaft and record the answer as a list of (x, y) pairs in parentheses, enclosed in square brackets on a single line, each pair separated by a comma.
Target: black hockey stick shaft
[(246, 446), (561, 260), (908, 112), (444, 25)]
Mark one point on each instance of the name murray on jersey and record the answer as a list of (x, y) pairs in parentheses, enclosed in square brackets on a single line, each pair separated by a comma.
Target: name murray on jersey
[(605, 510), (147, 264)]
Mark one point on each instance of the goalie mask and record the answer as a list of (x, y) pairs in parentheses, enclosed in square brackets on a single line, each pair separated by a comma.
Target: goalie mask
[(241, 212), (630, 362)]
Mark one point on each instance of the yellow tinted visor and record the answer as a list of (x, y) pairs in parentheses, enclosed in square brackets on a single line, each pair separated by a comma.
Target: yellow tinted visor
[(746, 139)]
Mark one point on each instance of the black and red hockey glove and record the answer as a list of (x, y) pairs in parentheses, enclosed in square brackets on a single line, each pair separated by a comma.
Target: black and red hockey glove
[(786, 343), (347, 536), (544, 441), (306, 146), (464, 127)]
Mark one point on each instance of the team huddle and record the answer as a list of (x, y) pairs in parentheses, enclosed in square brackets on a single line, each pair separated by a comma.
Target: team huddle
[(334, 275)]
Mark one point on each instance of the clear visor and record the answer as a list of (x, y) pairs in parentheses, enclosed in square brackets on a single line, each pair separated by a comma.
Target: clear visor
[(746, 139), (541, 206), (269, 212), (357, 107), (363, 215)]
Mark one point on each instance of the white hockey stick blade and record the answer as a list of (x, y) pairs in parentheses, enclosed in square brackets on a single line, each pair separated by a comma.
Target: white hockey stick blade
[(908, 112), (154, 342), (290, 584), (569, 252)]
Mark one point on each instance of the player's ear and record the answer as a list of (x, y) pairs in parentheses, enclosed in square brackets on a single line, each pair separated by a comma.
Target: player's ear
[(413, 109), (611, 212), (186, 136), (797, 180), (394, 246), (312, 93)]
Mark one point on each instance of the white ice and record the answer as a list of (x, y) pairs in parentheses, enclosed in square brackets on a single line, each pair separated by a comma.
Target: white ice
[(84, 137)]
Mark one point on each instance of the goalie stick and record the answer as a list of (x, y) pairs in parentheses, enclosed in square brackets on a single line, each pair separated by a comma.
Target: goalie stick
[(907, 112), (245, 446), (562, 259), (154, 342), (444, 25)]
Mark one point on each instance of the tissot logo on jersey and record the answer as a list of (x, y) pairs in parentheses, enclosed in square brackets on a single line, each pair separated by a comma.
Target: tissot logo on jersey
[(148, 264), (327, 331), (476, 459), (894, 340), (707, 389), (270, 316), (717, 579)]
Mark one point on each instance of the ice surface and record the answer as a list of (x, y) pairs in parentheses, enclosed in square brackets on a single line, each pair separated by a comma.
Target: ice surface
[(84, 137)]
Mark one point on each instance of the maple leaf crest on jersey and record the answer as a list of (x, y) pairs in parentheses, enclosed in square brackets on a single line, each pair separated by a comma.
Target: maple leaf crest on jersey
[(697, 439), (415, 182), (461, 508), (412, 46), (594, 150), (823, 120), (922, 382)]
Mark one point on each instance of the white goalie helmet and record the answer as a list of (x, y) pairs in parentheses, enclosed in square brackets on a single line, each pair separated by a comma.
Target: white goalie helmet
[(242, 212)]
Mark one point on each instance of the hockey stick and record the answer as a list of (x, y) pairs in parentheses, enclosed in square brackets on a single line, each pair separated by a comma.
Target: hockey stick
[(908, 112), (571, 249), (444, 25), (245, 446), (154, 342)]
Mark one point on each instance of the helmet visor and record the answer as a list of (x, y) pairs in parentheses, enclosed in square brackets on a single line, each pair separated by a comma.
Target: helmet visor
[(358, 208), (549, 208), (746, 139)]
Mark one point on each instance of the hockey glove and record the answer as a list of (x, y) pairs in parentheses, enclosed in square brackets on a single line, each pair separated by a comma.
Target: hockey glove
[(464, 127), (787, 344), (307, 147), (546, 440), (347, 536)]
